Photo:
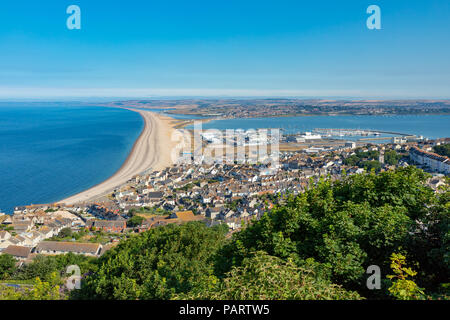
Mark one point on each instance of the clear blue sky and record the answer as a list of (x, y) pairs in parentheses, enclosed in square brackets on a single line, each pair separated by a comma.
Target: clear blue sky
[(225, 48)]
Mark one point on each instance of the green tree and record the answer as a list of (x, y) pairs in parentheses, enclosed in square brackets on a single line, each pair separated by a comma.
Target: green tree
[(352, 160), (348, 224), (371, 165), (402, 287), (443, 149), (156, 264), (65, 233), (7, 266), (264, 277), (40, 290), (41, 267), (135, 221), (391, 157)]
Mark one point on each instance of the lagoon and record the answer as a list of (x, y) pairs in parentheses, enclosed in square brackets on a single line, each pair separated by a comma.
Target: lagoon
[(430, 126)]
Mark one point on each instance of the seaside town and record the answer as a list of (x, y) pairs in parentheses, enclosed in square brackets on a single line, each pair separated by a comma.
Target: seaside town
[(215, 193), (210, 159)]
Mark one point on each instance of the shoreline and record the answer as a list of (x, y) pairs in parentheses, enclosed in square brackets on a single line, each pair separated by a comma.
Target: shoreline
[(151, 150)]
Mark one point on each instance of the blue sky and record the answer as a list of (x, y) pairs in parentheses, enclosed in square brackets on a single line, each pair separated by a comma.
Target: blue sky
[(225, 48)]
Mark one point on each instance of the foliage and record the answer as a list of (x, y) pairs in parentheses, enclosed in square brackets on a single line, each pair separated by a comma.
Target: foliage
[(264, 277), (233, 205), (148, 211), (443, 149), (6, 227), (367, 154), (69, 235), (403, 288), (40, 290), (367, 160), (156, 264), (371, 165), (43, 267), (391, 157), (65, 233), (347, 225), (7, 266), (352, 160), (135, 221)]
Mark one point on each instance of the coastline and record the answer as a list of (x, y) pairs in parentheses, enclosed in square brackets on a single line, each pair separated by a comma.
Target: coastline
[(152, 150)]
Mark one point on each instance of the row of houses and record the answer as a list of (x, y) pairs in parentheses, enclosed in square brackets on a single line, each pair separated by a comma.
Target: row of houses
[(433, 161), (23, 231), (26, 254)]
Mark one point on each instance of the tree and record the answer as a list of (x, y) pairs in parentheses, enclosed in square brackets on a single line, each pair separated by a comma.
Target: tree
[(391, 157), (65, 233), (135, 221), (41, 267), (7, 266), (264, 277), (402, 287), (156, 264), (443, 149), (40, 290), (352, 160), (371, 165), (346, 225)]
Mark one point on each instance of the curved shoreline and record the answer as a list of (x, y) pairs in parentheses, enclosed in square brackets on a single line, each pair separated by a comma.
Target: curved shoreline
[(151, 150)]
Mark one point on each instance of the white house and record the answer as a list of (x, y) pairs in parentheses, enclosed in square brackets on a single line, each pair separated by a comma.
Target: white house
[(434, 161)]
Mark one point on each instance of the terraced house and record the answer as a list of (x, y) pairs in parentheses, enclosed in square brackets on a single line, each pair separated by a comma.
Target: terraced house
[(434, 161), (57, 247)]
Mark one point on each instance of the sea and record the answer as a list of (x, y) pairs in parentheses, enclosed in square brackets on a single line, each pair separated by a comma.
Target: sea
[(52, 151)]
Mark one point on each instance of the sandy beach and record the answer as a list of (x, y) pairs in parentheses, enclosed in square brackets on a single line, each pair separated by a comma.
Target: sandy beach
[(152, 150)]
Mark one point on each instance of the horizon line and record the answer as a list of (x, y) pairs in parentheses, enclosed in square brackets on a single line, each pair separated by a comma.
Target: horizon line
[(48, 94), (179, 98)]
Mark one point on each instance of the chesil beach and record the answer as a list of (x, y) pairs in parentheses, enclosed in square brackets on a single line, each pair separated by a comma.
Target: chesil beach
[(152, 150)]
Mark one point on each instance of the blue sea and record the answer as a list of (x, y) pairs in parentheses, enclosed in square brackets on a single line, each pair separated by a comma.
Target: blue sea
[(429, 126), (50, 152)]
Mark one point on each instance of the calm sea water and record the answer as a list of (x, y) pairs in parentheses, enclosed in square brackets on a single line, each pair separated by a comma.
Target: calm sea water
[(48, 153), (430, 126)]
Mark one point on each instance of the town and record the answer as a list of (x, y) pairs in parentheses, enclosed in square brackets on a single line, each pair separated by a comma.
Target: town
[(223, 192)]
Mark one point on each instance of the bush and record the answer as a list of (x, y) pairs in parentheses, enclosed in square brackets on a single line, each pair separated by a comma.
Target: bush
[(135, 221), (264, 277), (43, 267), (7, 266), (40, 290), (156, 264)]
